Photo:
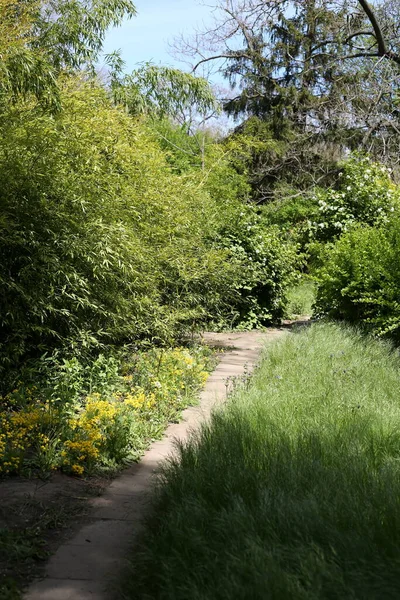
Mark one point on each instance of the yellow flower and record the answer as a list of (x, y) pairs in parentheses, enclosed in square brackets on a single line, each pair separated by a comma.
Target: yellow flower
[(77, 469), (136, 400)]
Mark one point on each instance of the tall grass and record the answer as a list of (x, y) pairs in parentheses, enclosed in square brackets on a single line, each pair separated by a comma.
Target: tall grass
[(301, 298), (293, 490)]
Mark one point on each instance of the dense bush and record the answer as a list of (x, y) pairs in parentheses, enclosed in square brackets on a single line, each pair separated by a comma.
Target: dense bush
[(267, 266), (104, 239), (291, 209), (263, 264), (359, 280), (364, 194), (293, 213), (99, 240)]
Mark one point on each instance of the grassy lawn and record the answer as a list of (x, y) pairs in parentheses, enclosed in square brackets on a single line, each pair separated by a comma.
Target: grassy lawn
[(293, 490)]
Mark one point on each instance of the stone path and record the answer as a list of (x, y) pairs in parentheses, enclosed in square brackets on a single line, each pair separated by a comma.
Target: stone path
[(83, 568)]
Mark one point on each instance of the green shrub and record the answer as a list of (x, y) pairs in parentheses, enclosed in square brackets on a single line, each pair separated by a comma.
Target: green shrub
[(293, 215), (266, 267), (102, 241), (99, 240), (183, 151), (292, 209), (359, 280), (364, 194)]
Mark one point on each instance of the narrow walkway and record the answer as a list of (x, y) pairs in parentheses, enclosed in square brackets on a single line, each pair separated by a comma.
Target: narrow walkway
[(84, 567)]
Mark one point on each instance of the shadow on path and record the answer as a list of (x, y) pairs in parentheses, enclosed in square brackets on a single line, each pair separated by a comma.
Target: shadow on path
[(82, 568)]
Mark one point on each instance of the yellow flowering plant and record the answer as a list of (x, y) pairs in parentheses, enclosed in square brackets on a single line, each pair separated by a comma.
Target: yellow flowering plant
[(104, 428)]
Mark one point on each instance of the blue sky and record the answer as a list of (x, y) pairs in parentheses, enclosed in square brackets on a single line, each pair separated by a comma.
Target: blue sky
[(145, 37)]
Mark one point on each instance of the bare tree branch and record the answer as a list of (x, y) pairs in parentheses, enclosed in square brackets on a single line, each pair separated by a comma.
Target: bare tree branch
[(383, 50), (219, 56)]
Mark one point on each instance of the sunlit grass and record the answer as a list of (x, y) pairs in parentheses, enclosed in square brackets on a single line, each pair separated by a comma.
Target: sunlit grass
[(292, 491), (301, 298)]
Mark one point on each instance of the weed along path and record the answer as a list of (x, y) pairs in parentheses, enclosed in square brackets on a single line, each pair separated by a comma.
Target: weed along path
[(85, 567)]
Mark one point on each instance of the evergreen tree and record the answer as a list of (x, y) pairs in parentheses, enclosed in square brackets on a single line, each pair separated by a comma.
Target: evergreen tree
[(312, 72)]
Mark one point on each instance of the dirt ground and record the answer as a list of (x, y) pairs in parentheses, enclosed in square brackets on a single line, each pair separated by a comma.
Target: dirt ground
[(36, 516)]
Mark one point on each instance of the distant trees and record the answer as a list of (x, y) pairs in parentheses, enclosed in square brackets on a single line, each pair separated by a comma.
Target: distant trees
[(322, 76), (164, 92)]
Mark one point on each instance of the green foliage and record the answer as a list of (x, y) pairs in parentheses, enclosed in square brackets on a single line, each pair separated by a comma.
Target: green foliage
[(221, 178), (291, 209), (261, 262), (292, 212), (256, 152), (266, 267), (283, 163), (291, 491), (82, 417), (359, 280), (364, 194), (116, 228), (71, 32), (22, 71), (68, 379), (100, 241), (40, 40), (182, 149), (215, 160), (164, 92), (303, 69), (104, 243)]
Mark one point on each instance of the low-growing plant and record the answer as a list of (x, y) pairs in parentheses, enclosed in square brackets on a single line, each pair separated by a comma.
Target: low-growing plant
[(300, 299), (110, 420)]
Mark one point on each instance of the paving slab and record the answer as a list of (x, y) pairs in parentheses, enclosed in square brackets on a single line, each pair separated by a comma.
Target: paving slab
[(57, 589), (82, 568), (120, 507)]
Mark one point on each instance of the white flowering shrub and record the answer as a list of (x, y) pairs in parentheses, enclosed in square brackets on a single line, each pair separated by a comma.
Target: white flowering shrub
[(359, 274), (365, 193)]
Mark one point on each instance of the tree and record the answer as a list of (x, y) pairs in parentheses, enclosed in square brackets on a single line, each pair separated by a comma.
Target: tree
[(164, 92), (313, 72), (177, 104), (40, 39), (384, 33), (22, 70)]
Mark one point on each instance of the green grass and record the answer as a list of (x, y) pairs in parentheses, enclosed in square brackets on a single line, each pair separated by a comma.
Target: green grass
[(293, 490), (301, 298)]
